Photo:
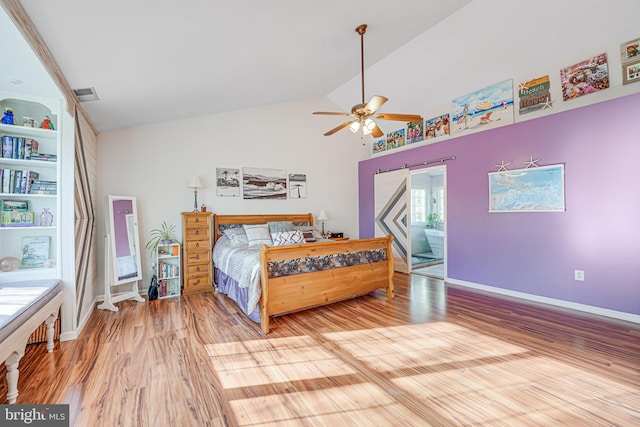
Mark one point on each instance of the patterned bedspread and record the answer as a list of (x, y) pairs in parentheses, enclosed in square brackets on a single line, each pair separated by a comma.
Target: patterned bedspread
[(242, 264)]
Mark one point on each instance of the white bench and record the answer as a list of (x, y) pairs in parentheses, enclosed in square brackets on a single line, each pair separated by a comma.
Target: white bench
[(23, 308)]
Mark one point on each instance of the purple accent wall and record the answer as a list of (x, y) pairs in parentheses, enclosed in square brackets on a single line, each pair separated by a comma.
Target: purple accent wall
[(537, 253)]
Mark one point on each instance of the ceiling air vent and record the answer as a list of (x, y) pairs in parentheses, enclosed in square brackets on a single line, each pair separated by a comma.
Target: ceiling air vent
[(88, 94)]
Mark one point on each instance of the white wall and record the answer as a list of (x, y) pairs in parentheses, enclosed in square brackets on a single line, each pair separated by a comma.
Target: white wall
[(155, 162), (490, 41)]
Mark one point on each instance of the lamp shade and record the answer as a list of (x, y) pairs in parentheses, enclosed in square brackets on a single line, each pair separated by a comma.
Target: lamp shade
[(195, 182), (322, 216)]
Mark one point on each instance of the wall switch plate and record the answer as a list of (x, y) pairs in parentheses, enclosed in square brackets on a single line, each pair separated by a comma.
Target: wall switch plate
[(578, 275)]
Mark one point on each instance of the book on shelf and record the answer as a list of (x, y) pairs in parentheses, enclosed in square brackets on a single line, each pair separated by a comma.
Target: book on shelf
[(43, 187), (44, 157), (19, 181), (15, 147)]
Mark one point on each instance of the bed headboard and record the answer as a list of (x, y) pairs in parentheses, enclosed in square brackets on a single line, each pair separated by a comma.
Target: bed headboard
[(229, 220)]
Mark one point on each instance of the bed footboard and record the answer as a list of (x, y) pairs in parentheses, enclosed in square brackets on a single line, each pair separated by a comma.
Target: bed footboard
[(297, 277)]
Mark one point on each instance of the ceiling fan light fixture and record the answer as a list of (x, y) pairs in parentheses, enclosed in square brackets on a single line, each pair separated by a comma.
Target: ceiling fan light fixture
[(353, 127), (369, 125)]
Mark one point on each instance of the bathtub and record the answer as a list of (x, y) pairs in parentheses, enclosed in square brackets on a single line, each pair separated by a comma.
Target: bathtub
[(436, 241)]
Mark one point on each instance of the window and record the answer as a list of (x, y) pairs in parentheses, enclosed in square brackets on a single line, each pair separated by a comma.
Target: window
[(418, 205)]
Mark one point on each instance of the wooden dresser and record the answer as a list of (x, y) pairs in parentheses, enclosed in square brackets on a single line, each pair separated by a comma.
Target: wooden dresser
[(196, 252)]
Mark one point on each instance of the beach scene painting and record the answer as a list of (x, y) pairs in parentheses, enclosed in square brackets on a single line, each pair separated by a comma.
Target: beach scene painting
[(227, 182), (483, 109), (263, 183)]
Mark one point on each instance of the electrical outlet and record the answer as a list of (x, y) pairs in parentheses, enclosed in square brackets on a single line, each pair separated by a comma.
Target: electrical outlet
[(578, 275)]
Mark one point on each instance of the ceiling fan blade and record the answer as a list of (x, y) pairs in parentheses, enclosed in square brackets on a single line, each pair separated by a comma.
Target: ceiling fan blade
[(331, 113), (337, 128), (400, 117), (375, 103), (377, 132)]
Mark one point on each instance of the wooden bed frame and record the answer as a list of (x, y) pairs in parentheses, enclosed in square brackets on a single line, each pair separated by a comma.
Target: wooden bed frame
[(286, 294)]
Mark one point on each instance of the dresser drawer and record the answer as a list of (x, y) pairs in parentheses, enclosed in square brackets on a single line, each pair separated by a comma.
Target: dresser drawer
[(197, 256), (197, 233), (197, 283), (194, 245), (197, 270), (195, 221)]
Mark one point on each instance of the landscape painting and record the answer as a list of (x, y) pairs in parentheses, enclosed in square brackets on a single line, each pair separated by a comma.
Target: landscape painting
[(483, 109), (228, 182), (264, 183)]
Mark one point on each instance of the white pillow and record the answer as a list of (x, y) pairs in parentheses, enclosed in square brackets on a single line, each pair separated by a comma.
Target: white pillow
[(257, 234), (284, 238), (239, 240), (230, 232)]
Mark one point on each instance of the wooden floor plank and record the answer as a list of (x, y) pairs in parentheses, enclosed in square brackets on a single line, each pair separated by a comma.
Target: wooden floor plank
[(435, 355)]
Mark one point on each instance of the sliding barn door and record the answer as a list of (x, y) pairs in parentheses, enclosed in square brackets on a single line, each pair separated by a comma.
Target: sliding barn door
[(391, 204)]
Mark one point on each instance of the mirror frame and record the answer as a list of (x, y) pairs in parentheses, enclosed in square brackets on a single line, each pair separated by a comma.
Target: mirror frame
[(130, 224)]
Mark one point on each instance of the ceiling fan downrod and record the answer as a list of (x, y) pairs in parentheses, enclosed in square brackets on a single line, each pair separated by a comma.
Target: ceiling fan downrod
[(361, 29)]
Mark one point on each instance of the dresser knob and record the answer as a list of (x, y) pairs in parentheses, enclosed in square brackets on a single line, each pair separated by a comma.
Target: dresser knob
[(197, 256), (197, 268), (198, 245), (197, 232), (198, 281), (197, 219)]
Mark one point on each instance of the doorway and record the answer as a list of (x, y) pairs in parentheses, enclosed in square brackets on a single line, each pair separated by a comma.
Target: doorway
[(428, 222)]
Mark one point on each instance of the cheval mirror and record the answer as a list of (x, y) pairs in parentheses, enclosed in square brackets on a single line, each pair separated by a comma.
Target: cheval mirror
[(122, 251)]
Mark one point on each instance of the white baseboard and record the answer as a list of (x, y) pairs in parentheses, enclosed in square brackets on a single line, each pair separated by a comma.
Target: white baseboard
[(628, 317)]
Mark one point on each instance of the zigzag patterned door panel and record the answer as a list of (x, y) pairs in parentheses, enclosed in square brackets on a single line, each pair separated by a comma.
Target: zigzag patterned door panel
[(391, 205)]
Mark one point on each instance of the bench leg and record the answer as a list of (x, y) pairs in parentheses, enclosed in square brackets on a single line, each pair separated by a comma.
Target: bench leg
[(50, 322), (12, 377)]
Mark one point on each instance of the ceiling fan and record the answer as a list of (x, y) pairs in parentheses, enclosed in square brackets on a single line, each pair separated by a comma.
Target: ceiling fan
[(362, 112)]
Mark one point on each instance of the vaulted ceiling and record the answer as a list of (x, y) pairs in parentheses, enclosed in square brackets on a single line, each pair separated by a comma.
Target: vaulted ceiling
[(161, 60)]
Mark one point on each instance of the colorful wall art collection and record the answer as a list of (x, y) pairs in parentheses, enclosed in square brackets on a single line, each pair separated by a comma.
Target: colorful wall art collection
[(493, 106)]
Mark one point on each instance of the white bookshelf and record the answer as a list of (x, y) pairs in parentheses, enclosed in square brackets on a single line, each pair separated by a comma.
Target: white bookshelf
[(168, 269), (12, 237)]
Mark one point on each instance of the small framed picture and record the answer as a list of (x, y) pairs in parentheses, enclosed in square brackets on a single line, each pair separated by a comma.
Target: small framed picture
[(631, 72), (15, 205), (630, 51)]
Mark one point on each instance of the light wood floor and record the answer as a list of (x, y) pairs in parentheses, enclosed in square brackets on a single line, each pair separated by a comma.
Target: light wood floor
[(435, 355)]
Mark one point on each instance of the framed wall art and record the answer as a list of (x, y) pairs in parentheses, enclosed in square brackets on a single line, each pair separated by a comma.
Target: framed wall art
[(264, 183), (297, 186), (539, 189), (631, 72), (483, 109), (630, 51), (588, 76), (227, 182)]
